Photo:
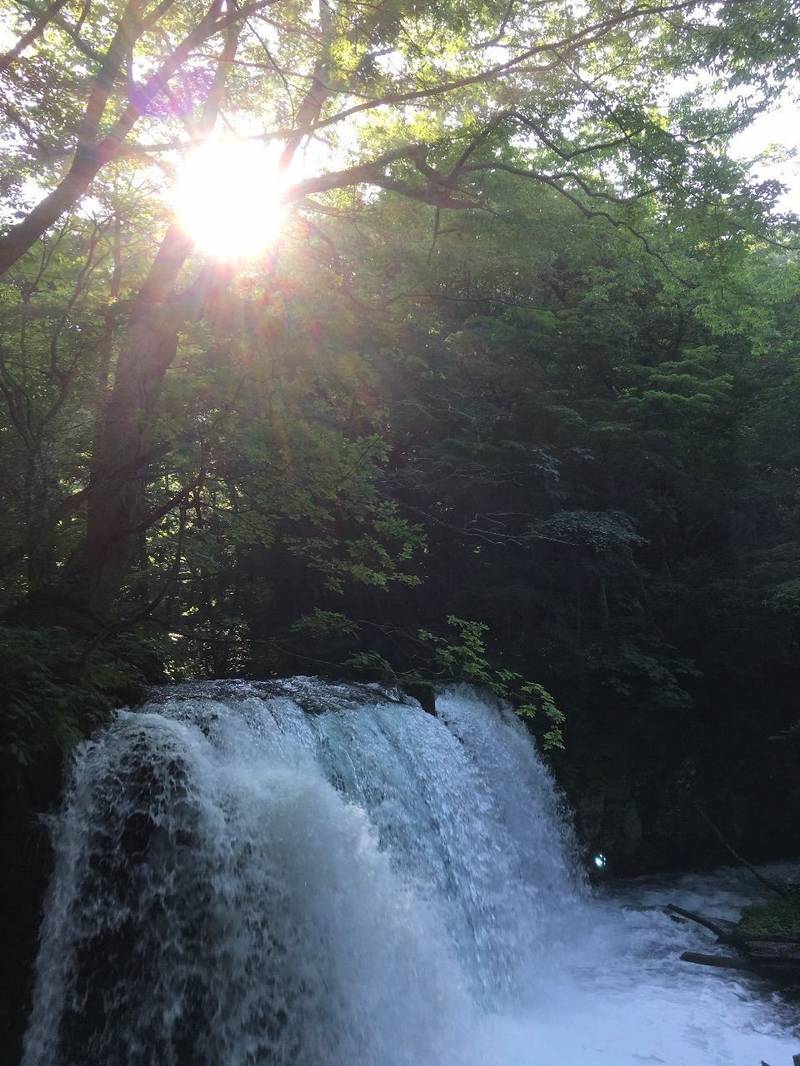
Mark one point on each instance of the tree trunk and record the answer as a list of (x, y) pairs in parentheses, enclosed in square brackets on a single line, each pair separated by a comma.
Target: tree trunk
[(117, 511), (117, 506)]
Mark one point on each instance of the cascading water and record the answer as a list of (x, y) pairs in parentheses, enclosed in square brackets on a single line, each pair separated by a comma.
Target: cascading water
[(315, 874)]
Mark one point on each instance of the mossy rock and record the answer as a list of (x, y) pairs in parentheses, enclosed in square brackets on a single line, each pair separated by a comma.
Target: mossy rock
[(779, 918)]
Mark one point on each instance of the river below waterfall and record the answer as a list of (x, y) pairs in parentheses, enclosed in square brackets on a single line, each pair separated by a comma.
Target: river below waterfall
[(303, 873)]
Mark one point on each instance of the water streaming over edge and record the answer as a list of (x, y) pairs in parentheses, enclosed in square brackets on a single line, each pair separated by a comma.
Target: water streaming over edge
[(316, 874)]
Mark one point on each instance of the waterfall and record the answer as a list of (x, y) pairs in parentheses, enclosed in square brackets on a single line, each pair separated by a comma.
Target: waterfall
[(315, 874)]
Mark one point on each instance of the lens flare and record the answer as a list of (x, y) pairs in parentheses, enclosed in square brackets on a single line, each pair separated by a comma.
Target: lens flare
[(229, 198)]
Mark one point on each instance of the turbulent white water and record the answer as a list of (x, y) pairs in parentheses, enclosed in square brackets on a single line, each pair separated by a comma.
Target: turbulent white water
[(309, 874)]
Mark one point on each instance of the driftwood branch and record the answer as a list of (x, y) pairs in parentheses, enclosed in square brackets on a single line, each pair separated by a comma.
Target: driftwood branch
[(722, 962), (771, 885), (718, 926)]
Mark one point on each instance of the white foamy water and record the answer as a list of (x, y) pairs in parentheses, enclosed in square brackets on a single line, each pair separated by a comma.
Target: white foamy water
[(308, 874)]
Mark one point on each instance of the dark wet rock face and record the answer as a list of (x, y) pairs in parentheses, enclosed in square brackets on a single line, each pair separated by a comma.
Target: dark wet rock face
[(643, 790), (26, 862), (127, 841)]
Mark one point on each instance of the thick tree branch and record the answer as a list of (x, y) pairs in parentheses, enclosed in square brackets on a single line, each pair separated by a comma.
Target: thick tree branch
[(33, 34), (89, 157)]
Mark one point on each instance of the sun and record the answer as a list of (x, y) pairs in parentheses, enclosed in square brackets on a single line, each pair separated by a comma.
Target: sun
[(228, 197)]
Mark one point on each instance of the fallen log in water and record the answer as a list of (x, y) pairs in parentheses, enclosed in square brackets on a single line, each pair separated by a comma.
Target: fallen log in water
[(777, 957), (724, 962), (718, 926)]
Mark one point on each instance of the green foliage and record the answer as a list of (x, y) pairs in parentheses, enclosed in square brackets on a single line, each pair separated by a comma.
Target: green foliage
[(52, 696), (325, 624), (462, 658), (571, 413), (373, 665), (647, 669), (538, 703), (465, 658), (602, 531)]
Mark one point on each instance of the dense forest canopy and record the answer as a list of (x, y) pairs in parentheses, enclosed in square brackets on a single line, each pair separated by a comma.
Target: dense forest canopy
[(511, 394)]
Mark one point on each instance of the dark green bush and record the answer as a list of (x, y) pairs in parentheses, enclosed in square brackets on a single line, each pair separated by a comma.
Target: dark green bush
[(52, 692)]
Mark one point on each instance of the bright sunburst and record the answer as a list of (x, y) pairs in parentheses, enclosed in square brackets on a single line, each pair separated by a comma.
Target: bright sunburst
[(229, 198)]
